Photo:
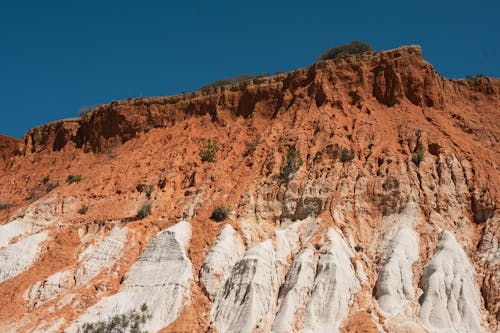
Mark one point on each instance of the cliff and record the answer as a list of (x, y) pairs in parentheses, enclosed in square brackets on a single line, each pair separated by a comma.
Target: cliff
[(389, 224)]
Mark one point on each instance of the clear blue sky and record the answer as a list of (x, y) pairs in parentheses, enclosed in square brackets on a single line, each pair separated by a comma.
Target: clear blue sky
[(59, 56)]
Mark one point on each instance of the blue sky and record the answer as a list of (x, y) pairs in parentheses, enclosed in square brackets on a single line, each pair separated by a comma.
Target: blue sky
[(59, 56)]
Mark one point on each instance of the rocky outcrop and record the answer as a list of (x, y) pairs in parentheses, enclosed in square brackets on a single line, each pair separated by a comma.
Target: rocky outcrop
[(389, 75), (35, 218), (8, 146), (219, 262), (450, 301), (247, 299), (92, 261), (104, 255), (489, 261), (160, 278), (394, 285), (50, 288), (295, 292), (17, 257), (334, 286), (348, 240)]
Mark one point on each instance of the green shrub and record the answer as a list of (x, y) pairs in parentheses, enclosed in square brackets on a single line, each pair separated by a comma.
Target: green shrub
[(225, 82), (144, 212), (418, 156), (51, 186), (354, 47), (83, 209), (74, 179), (290, 163), (131, 322), (251, 146), (219, 214), (207, 153), (148, 190), (346, 155)]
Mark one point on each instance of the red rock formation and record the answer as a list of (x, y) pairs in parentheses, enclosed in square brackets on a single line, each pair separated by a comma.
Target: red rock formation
[(8, 147), (424, 155)]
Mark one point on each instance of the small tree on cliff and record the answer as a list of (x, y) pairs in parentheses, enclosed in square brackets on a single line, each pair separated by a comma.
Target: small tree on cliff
[(208, 151)]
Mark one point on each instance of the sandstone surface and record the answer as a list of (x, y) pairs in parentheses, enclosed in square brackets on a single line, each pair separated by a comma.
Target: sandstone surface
[(389, 224)]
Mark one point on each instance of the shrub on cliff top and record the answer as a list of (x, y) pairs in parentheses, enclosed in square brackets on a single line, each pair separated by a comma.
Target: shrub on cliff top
[(354, 47), (225, 82)]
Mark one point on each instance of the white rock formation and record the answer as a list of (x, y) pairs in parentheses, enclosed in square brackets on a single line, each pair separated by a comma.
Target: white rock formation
[(333, 289), (220, 260), (394, 285), (96, 259), (249, 292), (18, 257), (104, 256), (248, 299), (50, 288), (37, 216), (295, 292), (160, 278), (450, 301)]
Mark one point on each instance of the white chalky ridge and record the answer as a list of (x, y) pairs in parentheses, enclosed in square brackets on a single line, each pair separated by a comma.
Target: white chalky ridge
[(160, 278), (220, 260), (98, 258), (37, 216), (105, 255), (247, 300), (394, 285), (333, 289), (295, 292), (450, 300), (18, 257)]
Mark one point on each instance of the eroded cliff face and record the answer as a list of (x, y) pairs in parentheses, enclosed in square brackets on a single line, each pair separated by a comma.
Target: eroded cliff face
[(388, 225)]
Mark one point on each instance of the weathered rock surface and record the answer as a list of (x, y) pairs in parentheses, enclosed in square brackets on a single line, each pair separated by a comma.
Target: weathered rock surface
[(348, 240), (37, 216), (296, 291), (395, 281), (160, 278), (450, 301), (105, 255), (219, 262), (247, 298), (17, 257), (92, 261), (334, 286)]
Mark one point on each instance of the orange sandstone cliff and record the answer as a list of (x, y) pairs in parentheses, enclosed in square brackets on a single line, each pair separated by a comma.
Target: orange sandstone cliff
[(389, 224)]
